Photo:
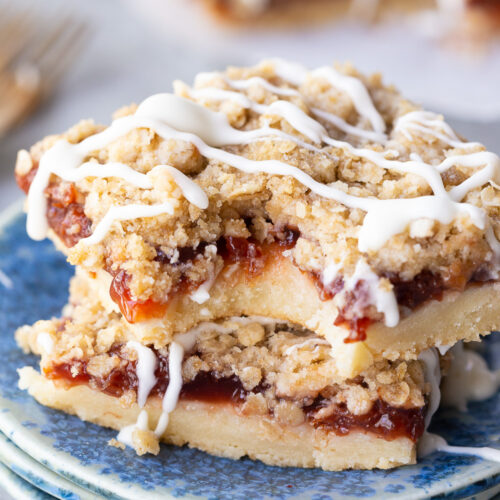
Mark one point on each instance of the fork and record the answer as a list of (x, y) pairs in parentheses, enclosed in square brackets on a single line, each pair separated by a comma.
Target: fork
[(34, 56)]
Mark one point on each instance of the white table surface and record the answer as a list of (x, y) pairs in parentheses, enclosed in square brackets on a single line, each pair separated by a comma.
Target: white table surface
[(125, 61)]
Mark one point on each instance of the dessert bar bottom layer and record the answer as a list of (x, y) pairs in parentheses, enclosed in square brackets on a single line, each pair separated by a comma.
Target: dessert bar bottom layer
[(219, 430)]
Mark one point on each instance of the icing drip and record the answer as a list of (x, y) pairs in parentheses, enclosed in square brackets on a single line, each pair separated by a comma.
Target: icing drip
[(348, 128), (146, 365), (443, 349), (175, 356), (330, 273), (384, 300), (125, 436), (468, 379), (430, 442), (145, 372), (431, 124), (182, 343), (126, 212), (202, 293), (308, 343)]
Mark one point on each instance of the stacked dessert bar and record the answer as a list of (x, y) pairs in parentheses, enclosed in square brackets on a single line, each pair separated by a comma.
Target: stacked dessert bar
[(266, 263)]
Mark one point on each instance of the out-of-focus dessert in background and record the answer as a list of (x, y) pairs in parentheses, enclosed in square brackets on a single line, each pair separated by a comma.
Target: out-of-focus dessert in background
[(471, 19)]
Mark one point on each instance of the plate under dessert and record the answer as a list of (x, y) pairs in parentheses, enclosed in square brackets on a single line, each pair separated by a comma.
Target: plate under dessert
[(75, 449)]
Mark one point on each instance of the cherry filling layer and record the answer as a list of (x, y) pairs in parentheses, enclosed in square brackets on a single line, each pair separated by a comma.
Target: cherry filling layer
[(383, 419), (66, 217)]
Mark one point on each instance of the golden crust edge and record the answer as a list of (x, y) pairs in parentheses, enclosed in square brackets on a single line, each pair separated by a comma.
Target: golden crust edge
[(218, 430)]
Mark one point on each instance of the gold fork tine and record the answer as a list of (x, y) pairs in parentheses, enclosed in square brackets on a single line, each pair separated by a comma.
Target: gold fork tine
[(48, 39), (62, 55), (15, 104), (15, 33), (35, 63)]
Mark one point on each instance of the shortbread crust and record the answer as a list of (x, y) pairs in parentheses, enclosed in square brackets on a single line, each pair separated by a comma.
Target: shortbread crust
[(457, 316), (218, 430)]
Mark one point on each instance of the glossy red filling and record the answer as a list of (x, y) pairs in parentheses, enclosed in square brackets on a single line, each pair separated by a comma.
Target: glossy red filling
[(65, 214), (384, 420), (248, 253)]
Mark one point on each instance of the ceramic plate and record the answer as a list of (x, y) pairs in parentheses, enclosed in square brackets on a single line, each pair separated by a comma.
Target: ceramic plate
[(18, 488), (39, 476), (33, 285)]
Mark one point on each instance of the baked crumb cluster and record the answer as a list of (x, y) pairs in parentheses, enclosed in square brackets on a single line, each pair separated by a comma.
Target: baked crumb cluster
[(258, 205)]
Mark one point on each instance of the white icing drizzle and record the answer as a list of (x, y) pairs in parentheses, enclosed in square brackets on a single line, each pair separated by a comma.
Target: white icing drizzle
[(257, 80), (202, 293), (190, 190), (348, 128), (430, 442), (384, 300), (330, 272), (146, 365), (293, 114), (290, 112), (175, 357), (358, 93), (443, 349), (173, 117), (126, 212), (432, 373), (297, 74), (45, 341), (6, 281), (125, 436), (308, 343), (145, 372), (432, 124), (468, 379)]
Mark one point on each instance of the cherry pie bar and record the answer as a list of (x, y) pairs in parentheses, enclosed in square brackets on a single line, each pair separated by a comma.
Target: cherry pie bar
[(469, 19), (267, 263)]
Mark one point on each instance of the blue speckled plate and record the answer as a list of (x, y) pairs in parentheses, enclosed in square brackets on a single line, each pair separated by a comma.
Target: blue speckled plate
[(18, 488), (77, 450), (39, 476)]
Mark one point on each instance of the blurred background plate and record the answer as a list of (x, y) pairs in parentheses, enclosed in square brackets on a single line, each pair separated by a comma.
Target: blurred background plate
[(78, 451)]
